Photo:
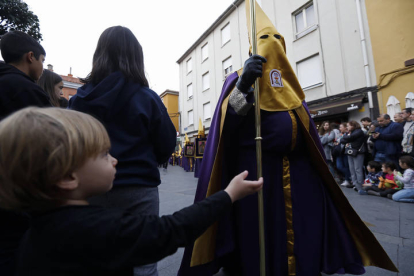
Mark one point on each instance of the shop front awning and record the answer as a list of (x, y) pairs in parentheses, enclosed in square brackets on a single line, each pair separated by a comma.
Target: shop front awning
[(336, 107)]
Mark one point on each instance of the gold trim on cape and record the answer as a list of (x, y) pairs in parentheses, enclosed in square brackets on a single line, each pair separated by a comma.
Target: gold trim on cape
[(372, 253), (205, 245), (290, 235), (294, 129)]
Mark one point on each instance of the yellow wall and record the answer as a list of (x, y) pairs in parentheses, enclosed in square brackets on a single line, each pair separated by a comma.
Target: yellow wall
[(171, 103), (391, 28)]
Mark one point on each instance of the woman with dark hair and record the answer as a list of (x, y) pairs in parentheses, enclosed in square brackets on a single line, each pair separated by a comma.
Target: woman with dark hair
[(52, 84), (354, 148), (142, 135), (327, 137)]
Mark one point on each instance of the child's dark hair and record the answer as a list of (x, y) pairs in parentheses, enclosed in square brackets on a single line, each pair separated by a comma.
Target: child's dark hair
[(408, 160), (375, 165), (390, 165), (15, 44)]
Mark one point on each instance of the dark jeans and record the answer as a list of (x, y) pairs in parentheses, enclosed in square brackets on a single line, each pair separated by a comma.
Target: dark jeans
[(139, 200), (388, 192), (331, 167), (343, 167), (380, 192), (382, 158)]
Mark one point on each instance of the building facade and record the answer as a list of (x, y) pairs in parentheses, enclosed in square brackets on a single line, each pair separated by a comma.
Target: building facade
[(170, 100), (328, 45), (391, 27), (70, 83)]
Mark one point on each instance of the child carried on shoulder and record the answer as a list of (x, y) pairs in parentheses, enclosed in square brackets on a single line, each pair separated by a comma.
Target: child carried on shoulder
[(52, 161)]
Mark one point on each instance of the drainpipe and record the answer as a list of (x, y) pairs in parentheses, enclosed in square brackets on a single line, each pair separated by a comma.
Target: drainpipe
[(365, 56)]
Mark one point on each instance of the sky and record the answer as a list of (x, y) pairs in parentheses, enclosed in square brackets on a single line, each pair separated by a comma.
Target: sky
[(164, 28)]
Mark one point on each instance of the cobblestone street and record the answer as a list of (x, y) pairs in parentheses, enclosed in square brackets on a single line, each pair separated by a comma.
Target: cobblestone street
[(391, 222)]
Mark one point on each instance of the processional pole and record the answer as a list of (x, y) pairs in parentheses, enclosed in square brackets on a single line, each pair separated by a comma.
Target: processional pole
[(258, 142)]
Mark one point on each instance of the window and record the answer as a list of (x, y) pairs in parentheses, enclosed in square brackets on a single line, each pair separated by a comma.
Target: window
[(204, 52), (190, 117), (225, 34), (189, 66), (309, 72), (190, 91), (207, 111), (227, 67), (305, 20), (393, 106), (206, 81)]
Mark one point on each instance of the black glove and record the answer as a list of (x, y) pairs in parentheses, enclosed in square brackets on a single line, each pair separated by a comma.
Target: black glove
[(252, 69)]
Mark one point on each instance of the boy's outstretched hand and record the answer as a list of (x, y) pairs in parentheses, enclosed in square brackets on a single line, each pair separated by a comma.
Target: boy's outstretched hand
[(239, 187)]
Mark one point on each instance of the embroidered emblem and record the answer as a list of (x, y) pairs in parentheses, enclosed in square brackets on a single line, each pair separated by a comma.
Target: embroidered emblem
[(276, 78)]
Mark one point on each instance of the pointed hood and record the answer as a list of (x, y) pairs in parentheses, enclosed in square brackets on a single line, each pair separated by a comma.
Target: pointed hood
[(186, 139), (200, 128), (279, 88)]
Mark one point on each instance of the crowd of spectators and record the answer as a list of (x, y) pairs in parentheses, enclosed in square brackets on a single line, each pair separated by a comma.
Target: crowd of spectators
[(373, 157)]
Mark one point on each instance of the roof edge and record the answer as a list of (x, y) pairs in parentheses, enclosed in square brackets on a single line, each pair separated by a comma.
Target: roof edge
[(219, 20), (172, 92)]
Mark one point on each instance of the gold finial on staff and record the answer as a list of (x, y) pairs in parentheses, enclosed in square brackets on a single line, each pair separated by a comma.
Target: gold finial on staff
[(258, 142)]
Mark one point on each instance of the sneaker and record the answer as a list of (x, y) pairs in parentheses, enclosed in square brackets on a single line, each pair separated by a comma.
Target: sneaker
[(389, 196), (355, 189), (349, 186), (362, 192), (345, 183)]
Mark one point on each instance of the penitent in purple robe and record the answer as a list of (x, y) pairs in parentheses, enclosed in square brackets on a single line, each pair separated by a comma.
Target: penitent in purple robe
[(322, 242), (185, 162)]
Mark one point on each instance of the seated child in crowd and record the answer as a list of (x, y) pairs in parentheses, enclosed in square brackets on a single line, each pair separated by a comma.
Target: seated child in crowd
[(372, 180), (51, 161), (406, 194), (387, 185)]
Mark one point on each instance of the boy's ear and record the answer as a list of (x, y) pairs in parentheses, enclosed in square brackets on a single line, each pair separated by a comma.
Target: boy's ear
[(69, 183), (30, 57)]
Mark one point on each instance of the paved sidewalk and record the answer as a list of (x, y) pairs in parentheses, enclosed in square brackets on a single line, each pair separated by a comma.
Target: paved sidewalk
[(391, 222)]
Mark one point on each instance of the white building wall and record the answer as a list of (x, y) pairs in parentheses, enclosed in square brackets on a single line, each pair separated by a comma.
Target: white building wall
[(336, 41)]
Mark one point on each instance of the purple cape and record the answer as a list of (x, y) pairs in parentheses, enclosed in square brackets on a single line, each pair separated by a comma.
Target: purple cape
[(198, 167)]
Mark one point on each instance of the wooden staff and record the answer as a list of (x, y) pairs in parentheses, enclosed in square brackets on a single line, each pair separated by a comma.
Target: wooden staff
[(258, 142)]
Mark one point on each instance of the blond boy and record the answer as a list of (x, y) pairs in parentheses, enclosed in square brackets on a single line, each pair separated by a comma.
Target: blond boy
[(51, 162)]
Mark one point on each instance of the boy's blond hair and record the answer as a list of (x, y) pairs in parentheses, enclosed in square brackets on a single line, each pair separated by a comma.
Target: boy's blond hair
[(41, 146)]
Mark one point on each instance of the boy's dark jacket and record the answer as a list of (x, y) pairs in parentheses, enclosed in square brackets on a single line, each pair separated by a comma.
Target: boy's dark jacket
[(142, 134), (18, 90)]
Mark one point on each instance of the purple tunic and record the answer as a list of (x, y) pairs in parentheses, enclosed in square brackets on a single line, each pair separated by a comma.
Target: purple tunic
[(185, 162), (321, 240)]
